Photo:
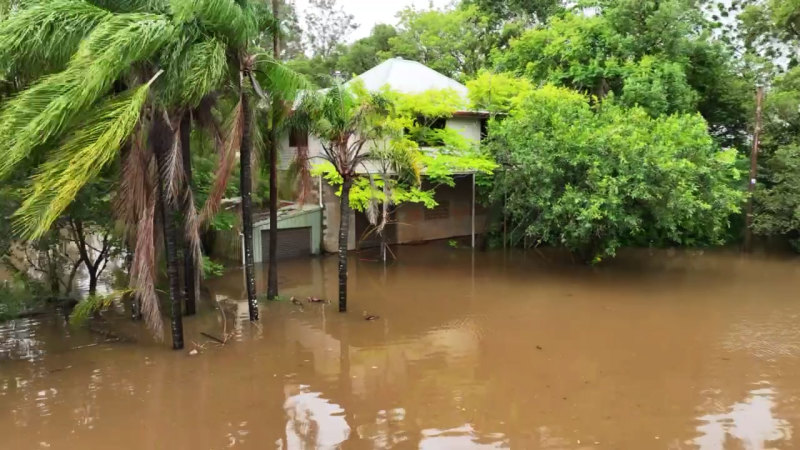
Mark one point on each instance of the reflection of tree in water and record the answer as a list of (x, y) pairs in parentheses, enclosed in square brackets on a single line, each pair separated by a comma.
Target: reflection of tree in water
[(387, 431), (751, 424), (312, 421)]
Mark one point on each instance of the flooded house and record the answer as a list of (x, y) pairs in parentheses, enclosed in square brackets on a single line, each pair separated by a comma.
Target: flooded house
[(313, 227)]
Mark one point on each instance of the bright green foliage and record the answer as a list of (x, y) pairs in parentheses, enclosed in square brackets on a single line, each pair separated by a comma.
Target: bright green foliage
[(497, 92), (78, 160), (595, 179), (44, 111), (659, 87), (662, 53), (212, 269), (199, 70), (456, 43), (31, 51)]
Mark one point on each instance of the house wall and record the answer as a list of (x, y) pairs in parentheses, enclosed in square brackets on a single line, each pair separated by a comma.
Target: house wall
[(414, 226), (469, 127), (453, 218)]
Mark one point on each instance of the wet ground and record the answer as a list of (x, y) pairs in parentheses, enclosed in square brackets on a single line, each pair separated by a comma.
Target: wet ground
[(661, 350)]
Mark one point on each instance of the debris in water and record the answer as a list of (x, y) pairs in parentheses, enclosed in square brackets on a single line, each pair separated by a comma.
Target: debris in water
[(539, 347), (193, 352), (370, 316), (313, 299)]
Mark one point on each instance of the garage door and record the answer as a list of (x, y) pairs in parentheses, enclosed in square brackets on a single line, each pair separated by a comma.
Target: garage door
[(292, 243)]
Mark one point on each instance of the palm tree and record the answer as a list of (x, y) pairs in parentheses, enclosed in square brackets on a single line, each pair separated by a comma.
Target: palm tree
[(347, 120), (119, 74)]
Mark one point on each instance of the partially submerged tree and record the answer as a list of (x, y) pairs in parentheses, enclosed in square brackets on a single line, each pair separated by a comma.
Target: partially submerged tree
[(595, 179), (346, 119), (121, 79)]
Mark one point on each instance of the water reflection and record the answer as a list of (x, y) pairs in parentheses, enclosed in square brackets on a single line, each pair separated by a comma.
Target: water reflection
[(494, 351), (750, 424), (460, 437), (313, 422)]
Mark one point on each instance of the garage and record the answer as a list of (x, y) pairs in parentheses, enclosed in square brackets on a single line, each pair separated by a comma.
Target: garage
[(292, 243)]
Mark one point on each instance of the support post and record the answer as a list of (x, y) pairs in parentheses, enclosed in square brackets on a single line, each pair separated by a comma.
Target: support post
[(473, 210)]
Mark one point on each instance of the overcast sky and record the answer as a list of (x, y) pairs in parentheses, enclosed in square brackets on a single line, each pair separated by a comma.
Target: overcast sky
[(371, 12)]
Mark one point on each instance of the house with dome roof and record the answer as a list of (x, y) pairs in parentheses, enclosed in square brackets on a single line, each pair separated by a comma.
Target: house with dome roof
[(312, 228)]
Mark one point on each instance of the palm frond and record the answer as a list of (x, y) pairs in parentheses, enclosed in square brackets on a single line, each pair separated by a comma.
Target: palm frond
[(78, 160), (143, 279), (224, 19), (225, 167), (43, 112), (137, 184), (196, 72), (129, 6), (278, 79), (41, 38)]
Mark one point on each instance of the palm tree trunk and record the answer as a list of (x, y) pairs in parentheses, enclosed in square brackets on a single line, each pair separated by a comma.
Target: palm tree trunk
[(344, 234), (189, 275), (161, 140), (272, 279), (245, 185)]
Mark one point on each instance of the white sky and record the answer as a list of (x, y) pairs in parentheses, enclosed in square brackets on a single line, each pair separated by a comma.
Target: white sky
[(371, 12)]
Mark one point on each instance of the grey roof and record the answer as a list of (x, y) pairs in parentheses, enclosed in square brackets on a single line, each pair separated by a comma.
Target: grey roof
[(408, 77)]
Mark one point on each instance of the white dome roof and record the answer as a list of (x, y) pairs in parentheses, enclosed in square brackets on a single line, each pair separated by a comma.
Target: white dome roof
[(408, 77)]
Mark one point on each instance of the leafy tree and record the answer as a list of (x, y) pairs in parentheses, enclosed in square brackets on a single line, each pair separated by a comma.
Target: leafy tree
[(663, 54), (346, 119), (367, 52), (778, 195), (497, 92), (454, 42), (327, 25), (133, 69), (592, 179), (404, 153)]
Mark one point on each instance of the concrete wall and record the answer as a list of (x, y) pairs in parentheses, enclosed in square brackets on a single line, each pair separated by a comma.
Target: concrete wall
[(469, 127), (453, 218), (330, 233)]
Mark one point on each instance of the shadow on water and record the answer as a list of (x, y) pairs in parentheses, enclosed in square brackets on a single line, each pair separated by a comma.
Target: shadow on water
[(472, 350)]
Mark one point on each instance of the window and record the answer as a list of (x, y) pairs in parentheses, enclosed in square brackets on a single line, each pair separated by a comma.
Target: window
[(298, 138), (441, 211)]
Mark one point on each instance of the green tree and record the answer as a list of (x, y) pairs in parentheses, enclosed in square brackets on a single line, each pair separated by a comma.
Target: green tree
[(131, 70), (346, 119), (777, 198), (592, 179), (455, 42), (661, 55)]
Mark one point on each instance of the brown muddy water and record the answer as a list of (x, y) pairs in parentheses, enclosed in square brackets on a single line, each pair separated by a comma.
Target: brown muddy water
[(658, 350)]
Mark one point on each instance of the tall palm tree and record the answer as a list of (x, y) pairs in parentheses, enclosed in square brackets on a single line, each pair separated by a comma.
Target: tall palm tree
[(347, 120), (118, 73)]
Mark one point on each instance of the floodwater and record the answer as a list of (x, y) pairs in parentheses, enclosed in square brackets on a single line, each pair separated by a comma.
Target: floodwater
[(656, 350)]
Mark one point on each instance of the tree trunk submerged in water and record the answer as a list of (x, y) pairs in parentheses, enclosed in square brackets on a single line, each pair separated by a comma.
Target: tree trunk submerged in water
[(272, 277), (189, 275), (344, 234), (245, 185), (161, 140)]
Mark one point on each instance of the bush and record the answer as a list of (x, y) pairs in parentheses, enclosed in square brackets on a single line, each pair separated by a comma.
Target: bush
[(593, 179)]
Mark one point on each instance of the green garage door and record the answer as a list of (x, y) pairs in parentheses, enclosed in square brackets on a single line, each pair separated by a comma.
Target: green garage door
[(292, 243)]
